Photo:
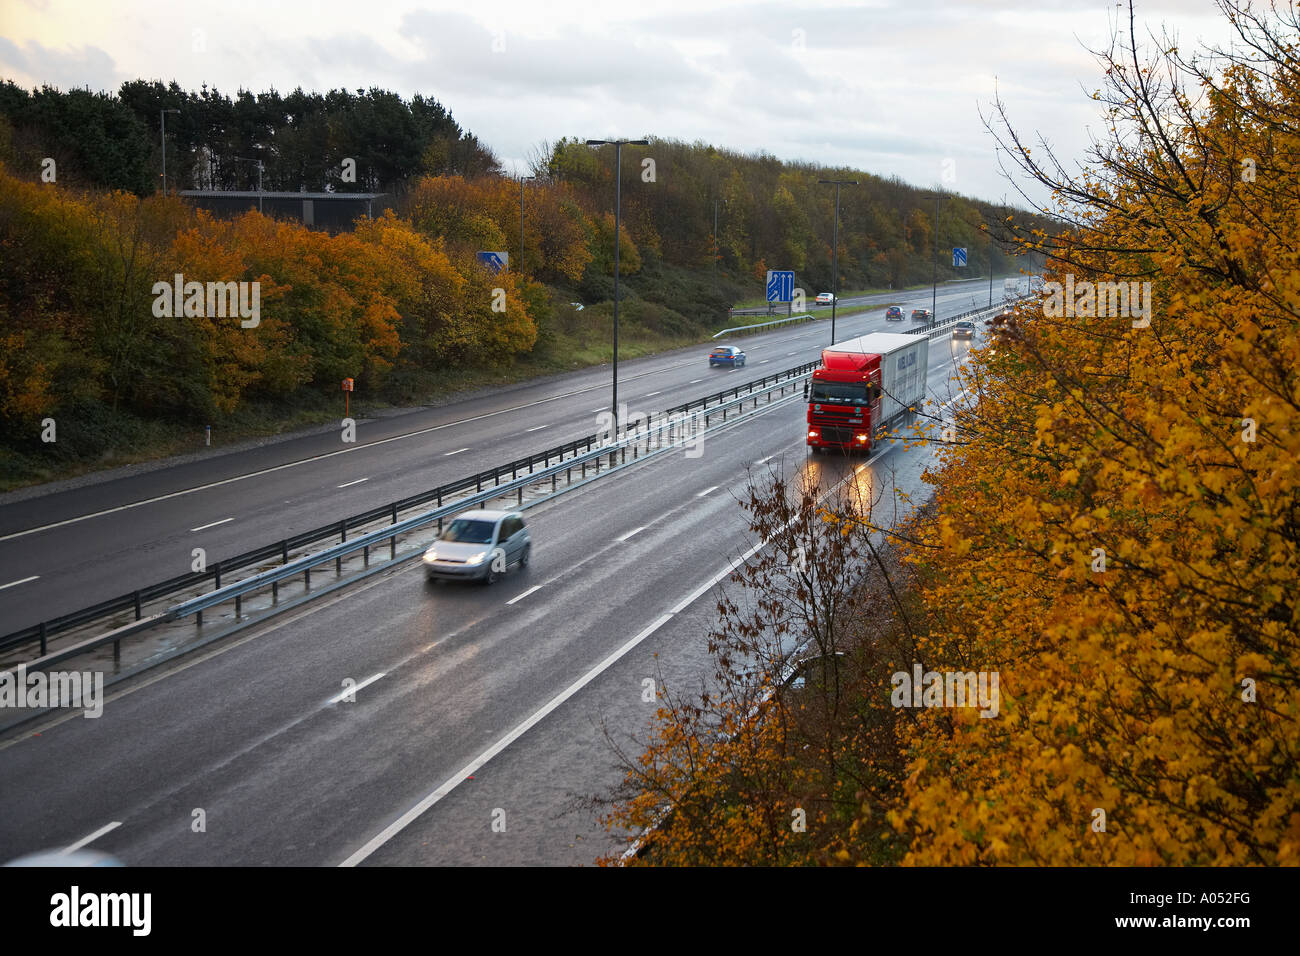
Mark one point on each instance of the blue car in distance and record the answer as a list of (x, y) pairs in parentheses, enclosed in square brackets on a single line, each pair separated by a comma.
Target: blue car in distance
[(727, 355)]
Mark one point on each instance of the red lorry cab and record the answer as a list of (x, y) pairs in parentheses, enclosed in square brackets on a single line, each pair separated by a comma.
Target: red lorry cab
[(863, 386), (839, 403)]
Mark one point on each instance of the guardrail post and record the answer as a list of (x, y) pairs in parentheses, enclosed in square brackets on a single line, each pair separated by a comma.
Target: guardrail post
[(343, 538), (366, 558), (216, 581), (284, 552), (42, 638), (239, 606), (394, 512), (138, 615), (117, 652), (392, 547), (306, 578)]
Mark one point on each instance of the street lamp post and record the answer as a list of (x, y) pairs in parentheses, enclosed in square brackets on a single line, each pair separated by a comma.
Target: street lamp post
[(522, 179), (618, 145), (835, 247), (934, 289), (990, 268), (162, 116)]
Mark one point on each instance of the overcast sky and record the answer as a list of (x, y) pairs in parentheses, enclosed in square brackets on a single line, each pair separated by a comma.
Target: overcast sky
[(893, 87)]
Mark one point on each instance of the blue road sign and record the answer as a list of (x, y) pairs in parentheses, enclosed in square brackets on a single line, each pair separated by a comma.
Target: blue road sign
[(496, 261), (958, 256), (780, 286)]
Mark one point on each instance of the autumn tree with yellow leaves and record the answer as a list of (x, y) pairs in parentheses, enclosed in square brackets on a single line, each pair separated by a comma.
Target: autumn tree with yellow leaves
[(1118, 527), (1115, 530)]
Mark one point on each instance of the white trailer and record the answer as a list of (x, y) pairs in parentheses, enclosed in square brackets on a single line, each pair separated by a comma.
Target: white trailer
[(904, 360)]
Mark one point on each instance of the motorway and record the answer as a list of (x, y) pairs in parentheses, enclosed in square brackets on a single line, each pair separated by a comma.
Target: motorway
[(68, 549), (473, 704)]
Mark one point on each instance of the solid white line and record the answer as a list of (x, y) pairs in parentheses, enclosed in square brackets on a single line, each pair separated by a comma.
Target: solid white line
[(630, 533), (687, 601), (351, 691), (456, 452), (472, 767), (762, 460), (601, 409), (707, 490), (536, 428), (694, 380), (19, 581), (93, 837), (351, 483), (651, 394), (764, 362), (520, 597), (204, 527), (690, 598)]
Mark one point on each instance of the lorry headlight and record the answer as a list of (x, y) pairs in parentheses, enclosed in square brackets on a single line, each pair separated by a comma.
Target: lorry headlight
[(813, 434), (862, 438)]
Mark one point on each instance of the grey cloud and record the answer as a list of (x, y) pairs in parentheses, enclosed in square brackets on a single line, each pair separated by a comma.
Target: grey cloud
[(37, 65), (893, 88)]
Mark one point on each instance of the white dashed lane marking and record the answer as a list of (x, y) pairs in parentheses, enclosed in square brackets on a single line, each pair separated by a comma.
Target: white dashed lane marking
[(204, 527)]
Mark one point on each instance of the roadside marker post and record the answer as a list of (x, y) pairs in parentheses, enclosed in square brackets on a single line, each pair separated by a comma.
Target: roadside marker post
[(347, 397)]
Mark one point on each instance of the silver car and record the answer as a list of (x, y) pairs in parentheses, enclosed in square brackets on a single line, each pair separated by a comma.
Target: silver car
[(479, 545)]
